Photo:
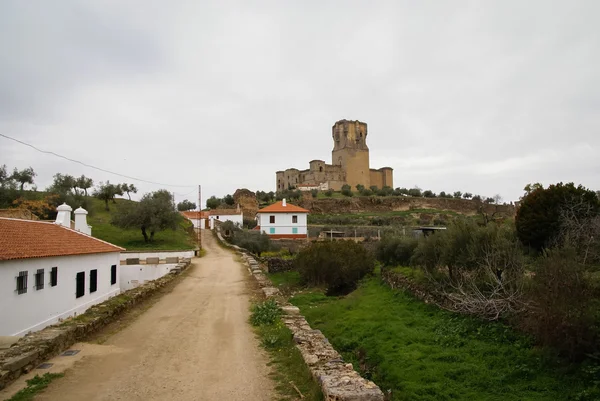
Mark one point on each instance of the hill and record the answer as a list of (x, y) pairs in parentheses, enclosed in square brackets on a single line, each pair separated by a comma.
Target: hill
[(131, 239)]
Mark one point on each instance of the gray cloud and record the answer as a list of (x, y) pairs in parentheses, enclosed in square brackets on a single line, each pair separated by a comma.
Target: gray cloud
[(475, 96)]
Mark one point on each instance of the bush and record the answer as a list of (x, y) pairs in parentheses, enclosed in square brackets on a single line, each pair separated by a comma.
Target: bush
[(254, 241), (337, 265), (538, 217), (393, 251), (329, 193), (563, 305), (265, 313), (314, 193)]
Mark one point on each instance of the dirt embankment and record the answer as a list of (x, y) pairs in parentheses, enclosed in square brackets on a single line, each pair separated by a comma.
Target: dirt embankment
[(386, 204)]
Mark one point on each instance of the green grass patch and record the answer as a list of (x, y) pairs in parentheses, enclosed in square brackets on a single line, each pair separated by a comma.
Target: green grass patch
[(285, 279), (132, 239), (419, 352), (288, 366), (35, 386)]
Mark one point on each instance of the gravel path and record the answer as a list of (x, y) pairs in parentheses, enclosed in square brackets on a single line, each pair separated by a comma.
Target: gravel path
[(195, 343)]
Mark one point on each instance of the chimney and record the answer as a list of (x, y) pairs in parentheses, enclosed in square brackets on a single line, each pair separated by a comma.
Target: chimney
[(63, 218), (283, 203), (81, 221)]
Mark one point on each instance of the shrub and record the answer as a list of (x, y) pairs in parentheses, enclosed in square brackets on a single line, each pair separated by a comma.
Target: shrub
[(254, 241), (329, 193), (393, 251), (562, 315), (314, 193), (538, 216), (265, 313), (336, 265), (366, 192)]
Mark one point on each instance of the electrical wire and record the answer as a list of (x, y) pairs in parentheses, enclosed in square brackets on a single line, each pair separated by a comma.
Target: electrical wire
[(97, 168)]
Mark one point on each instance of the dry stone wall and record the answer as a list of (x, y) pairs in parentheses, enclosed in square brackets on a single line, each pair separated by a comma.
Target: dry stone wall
[(37, 347), (338, 380)]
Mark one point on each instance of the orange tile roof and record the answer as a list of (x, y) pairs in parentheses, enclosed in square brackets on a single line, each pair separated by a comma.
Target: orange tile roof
[(194, 214), (23, 239), (278, 207), (224, 212)]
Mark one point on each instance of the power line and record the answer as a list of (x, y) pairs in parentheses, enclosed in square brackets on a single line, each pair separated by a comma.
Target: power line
[(94, 167)]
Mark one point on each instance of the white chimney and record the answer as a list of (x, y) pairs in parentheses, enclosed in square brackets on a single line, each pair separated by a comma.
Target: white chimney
[(81, 221), (63, 218), (283, 203)]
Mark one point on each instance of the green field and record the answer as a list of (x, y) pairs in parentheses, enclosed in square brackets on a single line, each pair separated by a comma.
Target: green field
[(132, 239), (419, 352)]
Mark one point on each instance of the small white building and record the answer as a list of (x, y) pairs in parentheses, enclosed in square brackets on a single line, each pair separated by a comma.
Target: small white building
[(49, 272), (205, 218), (283, 220)]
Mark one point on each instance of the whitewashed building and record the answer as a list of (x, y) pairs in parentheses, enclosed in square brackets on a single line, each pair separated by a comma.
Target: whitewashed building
[(283, 220), (49, 272), (205, 218)]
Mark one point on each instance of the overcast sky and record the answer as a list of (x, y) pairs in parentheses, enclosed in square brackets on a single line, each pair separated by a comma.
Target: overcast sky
[(478, 96)]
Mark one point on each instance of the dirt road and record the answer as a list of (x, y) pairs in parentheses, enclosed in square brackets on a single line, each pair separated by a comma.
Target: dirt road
[(193, 344)]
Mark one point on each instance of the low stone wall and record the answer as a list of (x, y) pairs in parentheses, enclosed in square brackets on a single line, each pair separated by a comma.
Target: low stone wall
[(397, 280), (276, 265), (37, 347), (338, 380), (162, 256)]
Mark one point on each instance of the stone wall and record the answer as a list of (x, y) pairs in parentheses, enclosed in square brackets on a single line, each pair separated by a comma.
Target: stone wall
[(276, 265), (37, 347)]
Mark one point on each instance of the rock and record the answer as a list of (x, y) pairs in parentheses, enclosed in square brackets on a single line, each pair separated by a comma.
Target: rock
[(290, 310), (20, 361)]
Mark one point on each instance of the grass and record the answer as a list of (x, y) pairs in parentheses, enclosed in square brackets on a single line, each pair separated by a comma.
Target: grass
[(288, 367), (419, 352), (132, 239), (379, 218), (35, 386)]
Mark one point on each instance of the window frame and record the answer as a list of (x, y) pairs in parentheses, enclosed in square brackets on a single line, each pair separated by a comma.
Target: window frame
[(272, 230), (272, 219), (79, 284), (113, 274), (39, 279), (54, 276), (294, 219), (21, 280), (93, 280)]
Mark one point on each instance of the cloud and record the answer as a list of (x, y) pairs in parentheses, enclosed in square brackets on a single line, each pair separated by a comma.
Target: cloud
[(478, 96)]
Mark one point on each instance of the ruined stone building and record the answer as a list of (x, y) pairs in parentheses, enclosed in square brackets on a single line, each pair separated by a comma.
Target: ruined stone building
[(349, 164)]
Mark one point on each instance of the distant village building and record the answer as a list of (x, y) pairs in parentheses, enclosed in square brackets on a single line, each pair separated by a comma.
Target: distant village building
[(49, 271), (283, 220), (205, 219), (349, 165)]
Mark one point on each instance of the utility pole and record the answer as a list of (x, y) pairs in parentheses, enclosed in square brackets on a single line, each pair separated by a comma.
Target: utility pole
[(199, 216)]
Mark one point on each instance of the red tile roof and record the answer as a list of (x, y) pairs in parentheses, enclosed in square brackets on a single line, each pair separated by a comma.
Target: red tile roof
[(278, 207), (23, 239), (194, 215), (224, 212)]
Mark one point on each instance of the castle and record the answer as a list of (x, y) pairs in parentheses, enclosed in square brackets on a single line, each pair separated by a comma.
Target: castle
[(350, 164)]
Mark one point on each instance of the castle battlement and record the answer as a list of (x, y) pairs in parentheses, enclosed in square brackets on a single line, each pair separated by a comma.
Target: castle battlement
[(349, 163)]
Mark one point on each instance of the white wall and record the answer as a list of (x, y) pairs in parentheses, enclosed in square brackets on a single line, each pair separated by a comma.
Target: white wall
[(135, 275), (36, 309), (195, 222), (283, 223), (235, 218), (157, 254)]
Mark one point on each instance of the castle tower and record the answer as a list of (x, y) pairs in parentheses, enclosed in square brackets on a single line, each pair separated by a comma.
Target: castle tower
[(351, 152)]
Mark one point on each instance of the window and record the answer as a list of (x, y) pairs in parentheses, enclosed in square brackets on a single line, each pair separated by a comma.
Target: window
[(294, 219), (80, 285), (217, 217), (272, 219), (93, 280), (39, 279), (54, 277), (22, 283), (113, 274), (294, 230), (272, 230)]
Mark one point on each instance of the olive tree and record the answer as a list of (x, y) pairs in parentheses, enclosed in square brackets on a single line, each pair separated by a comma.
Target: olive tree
[(153, 213)]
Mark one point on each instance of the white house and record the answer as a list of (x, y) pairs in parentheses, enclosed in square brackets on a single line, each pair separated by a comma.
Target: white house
[(282, 220), (49, 272), (205, 218)]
